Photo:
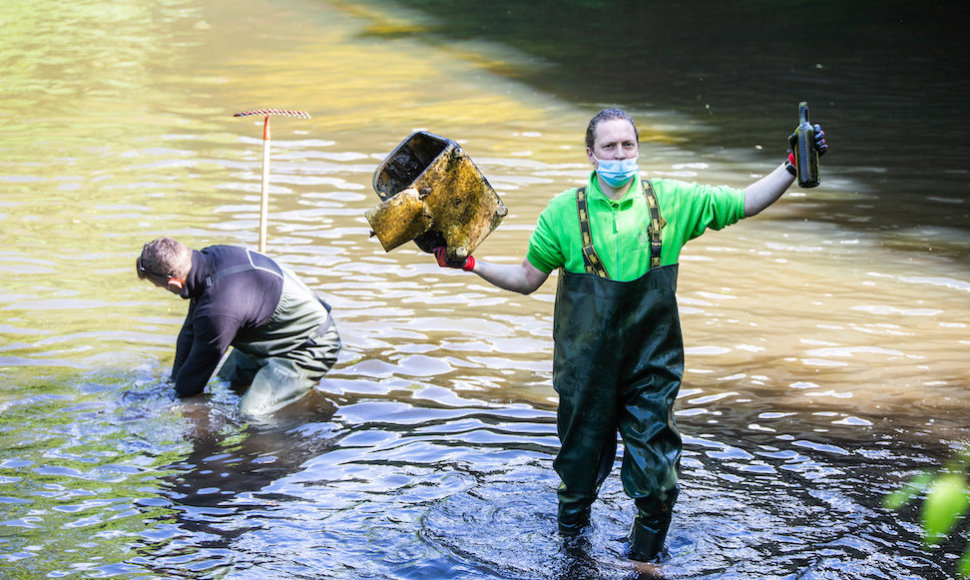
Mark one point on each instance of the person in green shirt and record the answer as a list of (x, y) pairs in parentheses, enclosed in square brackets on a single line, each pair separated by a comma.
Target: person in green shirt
[(618, 355)]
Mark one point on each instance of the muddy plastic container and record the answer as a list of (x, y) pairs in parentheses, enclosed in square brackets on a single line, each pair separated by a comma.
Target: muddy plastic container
[(433, 194)]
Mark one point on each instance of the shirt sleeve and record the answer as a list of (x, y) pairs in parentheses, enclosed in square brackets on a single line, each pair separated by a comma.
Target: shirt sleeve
[(702, 207), (202, 350), (184, 343), (546, 245)]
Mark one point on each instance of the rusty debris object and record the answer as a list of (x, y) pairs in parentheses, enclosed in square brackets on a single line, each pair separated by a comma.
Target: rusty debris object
[(433, 194)]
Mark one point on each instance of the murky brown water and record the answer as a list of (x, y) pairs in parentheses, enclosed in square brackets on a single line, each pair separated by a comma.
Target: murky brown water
[(824, 362)]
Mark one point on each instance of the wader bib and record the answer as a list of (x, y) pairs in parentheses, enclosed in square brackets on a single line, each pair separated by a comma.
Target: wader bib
[(276, 378), (617, 365)]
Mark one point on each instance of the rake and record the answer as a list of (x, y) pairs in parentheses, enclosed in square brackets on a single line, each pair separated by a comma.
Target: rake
[(264, 196)]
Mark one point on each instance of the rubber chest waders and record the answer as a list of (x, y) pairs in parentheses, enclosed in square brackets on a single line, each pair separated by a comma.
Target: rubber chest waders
[(283, 363), (617, 365)]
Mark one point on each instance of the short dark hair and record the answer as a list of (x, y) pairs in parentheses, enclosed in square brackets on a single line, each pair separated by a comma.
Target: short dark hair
[(161, 258), (607, 115)]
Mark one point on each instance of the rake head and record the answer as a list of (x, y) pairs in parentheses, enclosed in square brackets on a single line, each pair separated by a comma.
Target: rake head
[(276, 112)]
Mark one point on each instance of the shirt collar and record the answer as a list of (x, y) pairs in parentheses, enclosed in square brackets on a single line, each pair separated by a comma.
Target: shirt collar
[(593, 191)]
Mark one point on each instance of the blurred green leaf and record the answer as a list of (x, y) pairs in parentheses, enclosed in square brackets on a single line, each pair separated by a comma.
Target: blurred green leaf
[(945, 502), (963, 568), (905, 494)]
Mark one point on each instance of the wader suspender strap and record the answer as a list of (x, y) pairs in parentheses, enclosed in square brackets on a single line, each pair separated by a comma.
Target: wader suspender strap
[(591, 261), (656, 224)]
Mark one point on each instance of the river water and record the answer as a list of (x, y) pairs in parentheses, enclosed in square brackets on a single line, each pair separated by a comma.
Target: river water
[(826, 339)]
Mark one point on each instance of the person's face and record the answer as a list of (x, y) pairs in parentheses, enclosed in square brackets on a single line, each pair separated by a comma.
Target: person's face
[(613, 139)]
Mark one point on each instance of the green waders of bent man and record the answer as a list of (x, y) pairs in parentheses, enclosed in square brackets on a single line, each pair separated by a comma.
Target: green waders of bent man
[(618, 358)]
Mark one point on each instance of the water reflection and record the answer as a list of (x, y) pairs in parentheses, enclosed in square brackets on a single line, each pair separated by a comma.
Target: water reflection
[(827, 343), (376, 478)]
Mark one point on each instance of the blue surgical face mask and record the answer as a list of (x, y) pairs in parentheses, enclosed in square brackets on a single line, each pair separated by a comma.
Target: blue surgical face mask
[(616, 172)]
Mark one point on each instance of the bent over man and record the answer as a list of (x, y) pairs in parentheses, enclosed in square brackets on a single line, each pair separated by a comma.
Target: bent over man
[(283, 337), (618, 358)]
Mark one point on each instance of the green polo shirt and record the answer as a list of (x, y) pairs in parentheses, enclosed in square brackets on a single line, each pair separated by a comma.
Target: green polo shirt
[(619, 228)]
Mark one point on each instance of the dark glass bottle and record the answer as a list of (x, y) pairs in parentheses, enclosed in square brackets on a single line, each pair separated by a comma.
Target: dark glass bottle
[(803, 144)]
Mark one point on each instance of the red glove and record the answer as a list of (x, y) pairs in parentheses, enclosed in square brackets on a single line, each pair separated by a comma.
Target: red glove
[(441, 254)]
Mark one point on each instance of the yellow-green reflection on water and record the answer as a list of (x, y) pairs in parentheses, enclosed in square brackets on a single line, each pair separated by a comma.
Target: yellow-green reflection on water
[(117, 127)]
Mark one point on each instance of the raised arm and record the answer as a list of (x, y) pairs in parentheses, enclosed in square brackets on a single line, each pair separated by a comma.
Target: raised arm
[(766, 191)]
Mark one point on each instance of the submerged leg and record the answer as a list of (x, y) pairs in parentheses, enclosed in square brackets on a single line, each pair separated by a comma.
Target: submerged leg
[(651, 459), (650, 527), (282, 381), (238, 369), (587, 432), (582, 468), (277, 384)]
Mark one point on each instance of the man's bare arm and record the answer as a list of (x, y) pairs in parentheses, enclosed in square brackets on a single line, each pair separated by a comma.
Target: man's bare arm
[(523, 278)]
